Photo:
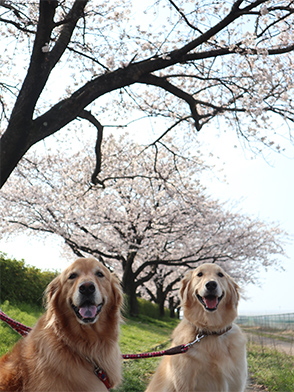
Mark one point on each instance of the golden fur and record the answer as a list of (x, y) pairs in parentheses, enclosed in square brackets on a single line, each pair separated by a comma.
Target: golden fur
[(80, 327), (218, 362)]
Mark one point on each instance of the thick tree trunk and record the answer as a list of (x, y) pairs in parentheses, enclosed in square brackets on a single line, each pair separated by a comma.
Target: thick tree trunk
[(161, 297), (171, 307), (130, 287), (13, 146), (133, 305), (161, 308)]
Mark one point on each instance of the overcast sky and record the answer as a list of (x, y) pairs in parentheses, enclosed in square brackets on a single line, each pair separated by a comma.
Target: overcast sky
[(265, 190)]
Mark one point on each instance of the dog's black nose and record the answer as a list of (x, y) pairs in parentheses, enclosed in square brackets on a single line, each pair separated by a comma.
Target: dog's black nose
[(212, 285), (87, 288)]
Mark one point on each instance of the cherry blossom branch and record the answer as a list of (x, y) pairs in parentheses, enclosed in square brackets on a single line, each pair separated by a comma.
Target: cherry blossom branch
[(164, 84), (17, 25), (26, 127), (91, 251), (184, 17)]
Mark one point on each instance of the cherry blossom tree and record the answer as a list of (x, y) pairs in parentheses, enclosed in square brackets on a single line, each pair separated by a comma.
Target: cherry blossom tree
[(189, 63), (148, 217), (164, 292)]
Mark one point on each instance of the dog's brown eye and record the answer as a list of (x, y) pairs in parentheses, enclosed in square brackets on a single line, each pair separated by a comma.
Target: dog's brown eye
[(220, 274), (72, 276), (200, 274), (99, 274)]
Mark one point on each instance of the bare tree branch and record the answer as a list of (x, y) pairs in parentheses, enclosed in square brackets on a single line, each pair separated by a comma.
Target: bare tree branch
[(89, 116), (164, 84), (227, 65)]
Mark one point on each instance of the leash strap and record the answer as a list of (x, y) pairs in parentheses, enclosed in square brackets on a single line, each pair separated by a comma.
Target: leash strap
[(100, 373), (18, 327), (171, 351), (102, 377), (24, 330)]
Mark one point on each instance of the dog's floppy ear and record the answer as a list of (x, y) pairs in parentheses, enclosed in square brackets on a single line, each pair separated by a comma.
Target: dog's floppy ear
[(233, 291), (51, 291), (50, 299), (117, 291), (185, 288)]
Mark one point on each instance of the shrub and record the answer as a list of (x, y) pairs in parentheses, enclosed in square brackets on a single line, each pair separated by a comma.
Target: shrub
[(22, 283), (146, 308)]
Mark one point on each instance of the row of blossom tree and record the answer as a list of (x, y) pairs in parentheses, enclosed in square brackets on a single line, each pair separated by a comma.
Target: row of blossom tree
[(148, 218)]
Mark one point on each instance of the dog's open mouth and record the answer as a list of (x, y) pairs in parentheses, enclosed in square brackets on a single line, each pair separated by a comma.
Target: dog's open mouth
[(87, 312), (210, 302)]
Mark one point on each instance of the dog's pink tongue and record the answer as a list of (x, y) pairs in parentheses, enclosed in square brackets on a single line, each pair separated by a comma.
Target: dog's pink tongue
[(88, 311), (210, 302)]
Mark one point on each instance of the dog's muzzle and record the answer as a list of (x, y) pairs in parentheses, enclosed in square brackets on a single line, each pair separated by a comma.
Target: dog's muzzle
[(86, 308), (211, 299)]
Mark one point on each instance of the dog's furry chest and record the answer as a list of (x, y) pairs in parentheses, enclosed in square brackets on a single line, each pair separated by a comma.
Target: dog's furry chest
[(58, 370), (213, 362)]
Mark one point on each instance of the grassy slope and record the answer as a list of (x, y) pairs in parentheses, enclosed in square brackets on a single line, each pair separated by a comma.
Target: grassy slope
[(23, 313), (267, 366), (142, 335), (271, 368)]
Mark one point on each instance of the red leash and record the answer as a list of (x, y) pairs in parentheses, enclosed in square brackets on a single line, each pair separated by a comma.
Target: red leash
[(18, 327), (182, 348), (24, 330)]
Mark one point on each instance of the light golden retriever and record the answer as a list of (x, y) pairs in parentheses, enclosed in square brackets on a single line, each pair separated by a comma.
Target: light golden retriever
[(78, 332), (218, 362)]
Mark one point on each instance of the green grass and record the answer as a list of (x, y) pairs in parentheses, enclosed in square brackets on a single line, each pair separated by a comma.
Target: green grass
[(271, 368), (138, 335), (26, 314)]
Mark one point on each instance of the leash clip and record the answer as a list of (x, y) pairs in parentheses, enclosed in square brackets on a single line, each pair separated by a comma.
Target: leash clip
[(197, 340)]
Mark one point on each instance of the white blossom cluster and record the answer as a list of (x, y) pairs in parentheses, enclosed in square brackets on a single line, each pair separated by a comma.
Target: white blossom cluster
[(150, 216)]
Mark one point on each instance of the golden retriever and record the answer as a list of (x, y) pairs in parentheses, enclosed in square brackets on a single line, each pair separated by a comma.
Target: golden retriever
[(218, 362), (78, 332)]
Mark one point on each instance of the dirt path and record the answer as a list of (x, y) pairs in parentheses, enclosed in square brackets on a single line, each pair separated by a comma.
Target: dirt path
[(280, 345), (252, 387)]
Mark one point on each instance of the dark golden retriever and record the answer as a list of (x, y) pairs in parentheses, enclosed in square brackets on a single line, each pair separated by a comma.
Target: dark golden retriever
[(218, 362), (77, 334)]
